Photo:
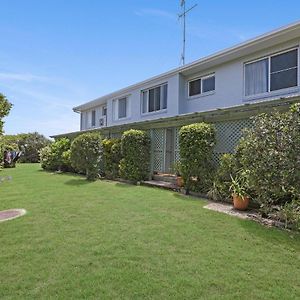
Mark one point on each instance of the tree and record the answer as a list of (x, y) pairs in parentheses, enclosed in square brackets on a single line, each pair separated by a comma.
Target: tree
[(86, 154), (32, 143), (5, 107)]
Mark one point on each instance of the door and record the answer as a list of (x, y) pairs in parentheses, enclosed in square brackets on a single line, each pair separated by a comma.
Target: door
[(169, 156)]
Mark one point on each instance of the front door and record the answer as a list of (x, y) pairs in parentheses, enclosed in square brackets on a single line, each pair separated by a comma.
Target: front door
[(169, 156)]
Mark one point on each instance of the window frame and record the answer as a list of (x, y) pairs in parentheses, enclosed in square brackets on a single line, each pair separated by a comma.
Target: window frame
[(201, 78), (116, 108), (161, 110), (269, 57), (93, 118)]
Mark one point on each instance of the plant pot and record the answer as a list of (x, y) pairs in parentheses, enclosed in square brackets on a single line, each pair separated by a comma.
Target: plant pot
[(239, 203), (179, 181)]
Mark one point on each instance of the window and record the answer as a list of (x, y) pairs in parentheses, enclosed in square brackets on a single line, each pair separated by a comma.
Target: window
[(155, 99), (104, 111), (201, 85), (273, 73), (93, 118), (120, 108)]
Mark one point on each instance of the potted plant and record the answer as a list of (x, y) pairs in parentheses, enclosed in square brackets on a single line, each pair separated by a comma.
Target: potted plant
[(240, 196), (179, 179)]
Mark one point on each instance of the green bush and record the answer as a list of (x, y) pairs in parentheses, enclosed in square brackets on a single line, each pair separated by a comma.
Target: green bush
[(196, 144), (222, 179), (111, 157), (53, 158), (289, 213), (270, 153), (135, 147), (86, 154)]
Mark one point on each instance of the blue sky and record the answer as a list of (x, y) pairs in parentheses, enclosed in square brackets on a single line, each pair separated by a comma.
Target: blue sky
[(57, 54)]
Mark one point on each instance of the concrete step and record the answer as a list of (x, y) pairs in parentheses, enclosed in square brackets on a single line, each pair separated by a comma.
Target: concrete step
[(160, 184), (165, 177)]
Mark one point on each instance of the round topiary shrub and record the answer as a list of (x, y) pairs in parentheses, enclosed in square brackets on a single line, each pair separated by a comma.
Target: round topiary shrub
[(135, 147), (196, 142), (52, 157), (86, 154)]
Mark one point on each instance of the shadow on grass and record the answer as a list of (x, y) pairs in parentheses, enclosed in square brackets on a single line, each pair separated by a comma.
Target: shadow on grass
[(124, 185), (78, 181), (189, 198)]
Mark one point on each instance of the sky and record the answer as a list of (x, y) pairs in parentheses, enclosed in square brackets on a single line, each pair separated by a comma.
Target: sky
[(57, 54)]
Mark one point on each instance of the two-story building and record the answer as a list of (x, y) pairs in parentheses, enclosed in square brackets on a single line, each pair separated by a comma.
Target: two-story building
[(225, 88)]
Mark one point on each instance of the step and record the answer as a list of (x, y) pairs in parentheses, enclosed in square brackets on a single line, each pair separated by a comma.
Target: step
[(165, 177), (160, 184)]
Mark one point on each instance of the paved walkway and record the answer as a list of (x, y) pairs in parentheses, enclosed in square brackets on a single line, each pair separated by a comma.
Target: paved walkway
[(228, 209)]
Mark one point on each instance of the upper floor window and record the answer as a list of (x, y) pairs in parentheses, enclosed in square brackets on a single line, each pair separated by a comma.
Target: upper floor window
[(155, 99), (104, 111), (272, 73), (93, 118), (201, 85), (120, 108)]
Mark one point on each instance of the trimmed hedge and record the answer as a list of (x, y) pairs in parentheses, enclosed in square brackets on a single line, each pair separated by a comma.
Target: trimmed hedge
[(86, 154), (112, 156), (196, 142), (53, 157), (135, 147)]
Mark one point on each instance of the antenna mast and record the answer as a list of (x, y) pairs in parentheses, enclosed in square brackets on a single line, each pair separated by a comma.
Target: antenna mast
[(182, 16)]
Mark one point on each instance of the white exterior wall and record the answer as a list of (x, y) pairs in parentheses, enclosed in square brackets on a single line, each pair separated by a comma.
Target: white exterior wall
[(229, 84), (229, 91)]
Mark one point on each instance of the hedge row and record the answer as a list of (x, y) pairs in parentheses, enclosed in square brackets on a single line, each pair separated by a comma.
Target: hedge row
[(128, 157)]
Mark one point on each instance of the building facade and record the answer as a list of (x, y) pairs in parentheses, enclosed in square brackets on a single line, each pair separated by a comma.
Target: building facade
[(226, 88)]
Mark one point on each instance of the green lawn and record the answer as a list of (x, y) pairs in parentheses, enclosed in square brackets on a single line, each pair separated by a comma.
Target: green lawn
[(106, 240)]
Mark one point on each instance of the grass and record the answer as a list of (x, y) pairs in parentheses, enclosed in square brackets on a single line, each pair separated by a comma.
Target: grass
[(106, 240)]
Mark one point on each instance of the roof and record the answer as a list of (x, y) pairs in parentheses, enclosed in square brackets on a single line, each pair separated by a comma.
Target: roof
[(269, 39)]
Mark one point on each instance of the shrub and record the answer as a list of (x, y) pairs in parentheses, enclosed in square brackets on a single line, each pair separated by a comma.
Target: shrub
[(270, 153), (289, 213), (86, 154), (111, 157), (53, 158), (222, 180), (196, 144), (135, 147)]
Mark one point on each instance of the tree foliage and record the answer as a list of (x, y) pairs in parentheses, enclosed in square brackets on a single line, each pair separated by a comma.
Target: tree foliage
[(135, 164), (29, 143), (5, 107), (86, 154)]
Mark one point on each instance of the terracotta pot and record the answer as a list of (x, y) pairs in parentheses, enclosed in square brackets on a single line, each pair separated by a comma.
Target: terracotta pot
[(239, 203), (179, 181)]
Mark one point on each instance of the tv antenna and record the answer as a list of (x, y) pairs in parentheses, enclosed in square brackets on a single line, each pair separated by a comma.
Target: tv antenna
[(183, 16)]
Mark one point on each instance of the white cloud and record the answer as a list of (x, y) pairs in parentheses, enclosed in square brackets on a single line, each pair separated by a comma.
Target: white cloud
[(25, 77), (155, 13)]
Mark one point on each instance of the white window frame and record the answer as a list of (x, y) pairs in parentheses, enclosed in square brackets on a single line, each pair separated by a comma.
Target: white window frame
[(116, 109), (201, 86), (269, 72), (147, 104)]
